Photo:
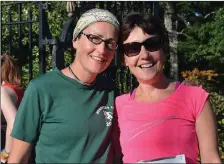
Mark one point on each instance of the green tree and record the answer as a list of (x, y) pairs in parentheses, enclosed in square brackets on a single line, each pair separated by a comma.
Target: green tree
[(203, 39)]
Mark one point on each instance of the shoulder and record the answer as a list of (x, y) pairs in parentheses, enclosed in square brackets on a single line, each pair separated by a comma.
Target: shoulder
[(44, 81), (192, 90), (194, 97), (41, 79), (122, 98), (8, 94), (120, 101), (39, 85), (7, 91)]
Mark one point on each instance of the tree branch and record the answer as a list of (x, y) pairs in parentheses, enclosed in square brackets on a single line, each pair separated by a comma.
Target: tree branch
[(213, 12), (179, 33)]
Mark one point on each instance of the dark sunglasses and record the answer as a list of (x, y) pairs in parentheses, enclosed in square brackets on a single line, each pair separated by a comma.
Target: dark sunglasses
[(152, 44)]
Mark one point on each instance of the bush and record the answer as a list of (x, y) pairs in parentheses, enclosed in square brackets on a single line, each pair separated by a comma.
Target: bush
[(206, 78)]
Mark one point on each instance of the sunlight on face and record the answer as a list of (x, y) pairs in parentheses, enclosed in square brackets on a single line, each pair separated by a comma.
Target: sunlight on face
[(146, 66), (95, 58)]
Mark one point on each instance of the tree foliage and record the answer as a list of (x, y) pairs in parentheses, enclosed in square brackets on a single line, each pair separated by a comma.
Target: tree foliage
[(203, 41)]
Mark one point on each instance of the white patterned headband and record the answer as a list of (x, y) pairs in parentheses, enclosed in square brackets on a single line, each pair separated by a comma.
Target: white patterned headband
[(93, 16)]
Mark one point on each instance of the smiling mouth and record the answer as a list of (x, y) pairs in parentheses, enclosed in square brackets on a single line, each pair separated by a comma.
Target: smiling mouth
[(98, 59), (144, 66)]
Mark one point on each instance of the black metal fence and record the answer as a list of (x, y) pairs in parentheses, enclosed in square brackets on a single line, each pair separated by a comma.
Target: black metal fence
[(21, 40), (27, 45)]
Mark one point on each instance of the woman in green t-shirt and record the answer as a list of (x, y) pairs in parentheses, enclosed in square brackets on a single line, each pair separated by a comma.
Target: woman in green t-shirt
[(67, 114)]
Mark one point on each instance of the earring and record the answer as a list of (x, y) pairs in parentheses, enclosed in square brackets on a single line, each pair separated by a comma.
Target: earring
[(127, 68)]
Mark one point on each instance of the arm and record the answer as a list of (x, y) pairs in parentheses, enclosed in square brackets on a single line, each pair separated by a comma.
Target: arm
[(207, 135), (20, 152), (8, 106)]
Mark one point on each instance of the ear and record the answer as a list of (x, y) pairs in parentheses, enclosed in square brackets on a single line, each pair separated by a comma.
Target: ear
[(75, 43), (125, 62)]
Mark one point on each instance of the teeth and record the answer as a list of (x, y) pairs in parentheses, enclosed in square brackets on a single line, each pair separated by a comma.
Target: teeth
[(146, 65), (98, 59)]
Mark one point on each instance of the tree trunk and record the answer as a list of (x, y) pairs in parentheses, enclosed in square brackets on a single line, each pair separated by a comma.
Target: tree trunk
[(171, 28)]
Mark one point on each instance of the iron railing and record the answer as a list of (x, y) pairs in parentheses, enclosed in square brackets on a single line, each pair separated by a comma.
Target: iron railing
[(13, 44)]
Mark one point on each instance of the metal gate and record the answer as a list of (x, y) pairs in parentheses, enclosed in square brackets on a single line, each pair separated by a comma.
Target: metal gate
[(19, 39)]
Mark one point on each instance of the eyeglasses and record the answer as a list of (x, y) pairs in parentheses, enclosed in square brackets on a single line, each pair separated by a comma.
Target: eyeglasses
[(110, 44), (152, 44)]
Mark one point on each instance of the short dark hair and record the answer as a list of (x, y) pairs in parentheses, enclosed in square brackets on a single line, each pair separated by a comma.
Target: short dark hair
[(149, 24)]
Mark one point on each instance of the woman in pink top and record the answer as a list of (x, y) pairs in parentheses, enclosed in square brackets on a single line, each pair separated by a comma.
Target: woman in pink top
[(160, 118)]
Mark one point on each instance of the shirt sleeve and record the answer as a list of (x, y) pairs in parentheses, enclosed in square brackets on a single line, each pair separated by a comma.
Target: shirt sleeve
[(27, 122), (200, 97)]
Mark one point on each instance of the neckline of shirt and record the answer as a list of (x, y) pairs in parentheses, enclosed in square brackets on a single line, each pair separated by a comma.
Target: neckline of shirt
[(74, 80), (132, 96)]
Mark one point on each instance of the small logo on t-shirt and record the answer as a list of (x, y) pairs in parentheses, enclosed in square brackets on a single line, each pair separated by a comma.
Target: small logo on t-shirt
[(107, 114)]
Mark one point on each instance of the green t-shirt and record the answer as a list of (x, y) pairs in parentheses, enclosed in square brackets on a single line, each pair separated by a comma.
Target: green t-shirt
[(67, 121)]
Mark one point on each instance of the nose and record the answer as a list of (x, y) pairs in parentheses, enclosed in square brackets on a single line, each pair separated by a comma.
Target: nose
[(101, 48), (144, 53)]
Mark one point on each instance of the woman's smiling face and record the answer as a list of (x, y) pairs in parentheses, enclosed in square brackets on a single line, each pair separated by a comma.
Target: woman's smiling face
[(146, 65), (95, 58)]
